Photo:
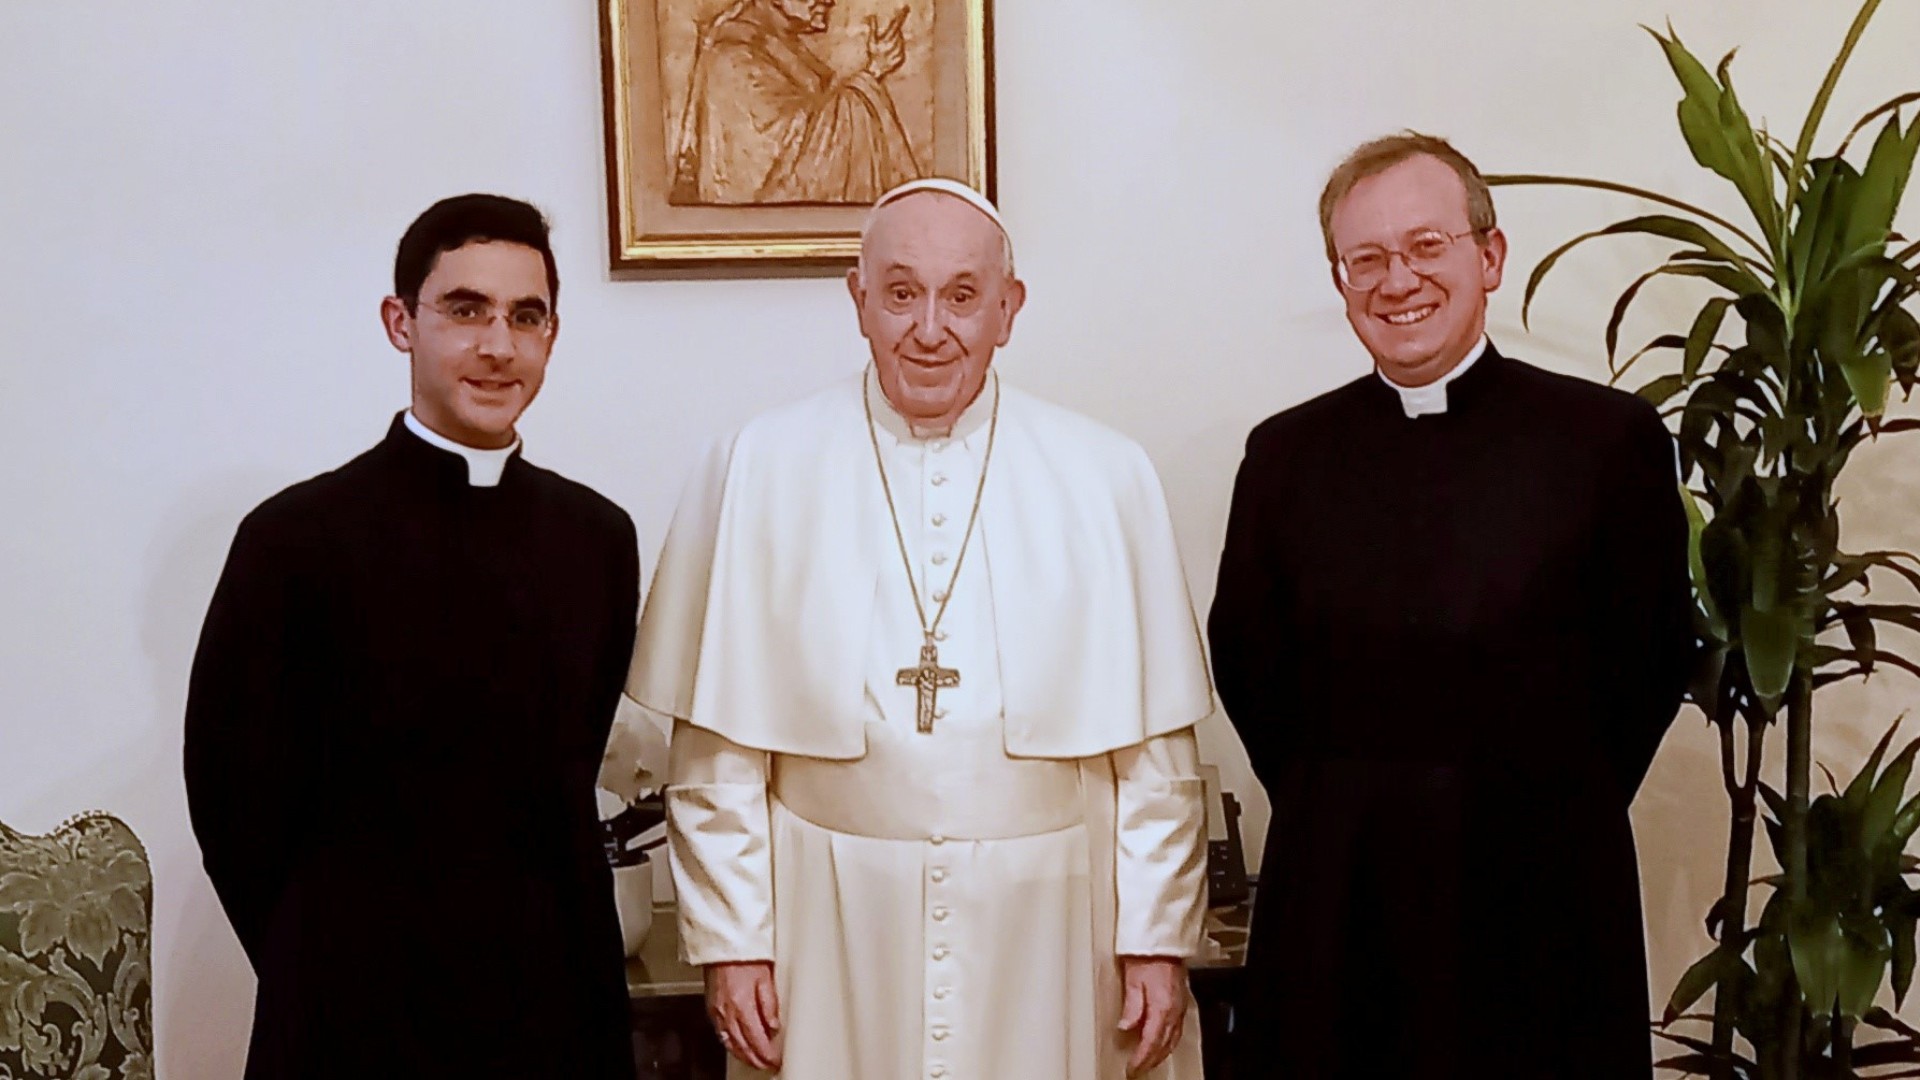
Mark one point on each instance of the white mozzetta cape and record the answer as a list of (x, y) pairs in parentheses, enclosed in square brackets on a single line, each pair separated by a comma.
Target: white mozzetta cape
[(757, 624)]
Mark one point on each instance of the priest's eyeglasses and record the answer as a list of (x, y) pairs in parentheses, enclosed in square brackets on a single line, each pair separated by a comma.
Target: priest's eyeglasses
[(1365, 267), (526, 320)]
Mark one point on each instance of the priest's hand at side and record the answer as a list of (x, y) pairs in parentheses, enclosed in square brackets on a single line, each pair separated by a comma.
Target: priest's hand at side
[(1155, 1006), (745, 1010)]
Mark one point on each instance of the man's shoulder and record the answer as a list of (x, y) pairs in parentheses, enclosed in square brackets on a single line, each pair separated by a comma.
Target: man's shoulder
[(1080, 450), (1570, 401), (576, 500), (317, 498), (793, 423), (1057, 423), (1331, 409), (302, 510)]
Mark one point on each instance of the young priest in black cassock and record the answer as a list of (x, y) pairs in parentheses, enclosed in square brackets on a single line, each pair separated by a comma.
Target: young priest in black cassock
[(1451, 628), (402, 692)]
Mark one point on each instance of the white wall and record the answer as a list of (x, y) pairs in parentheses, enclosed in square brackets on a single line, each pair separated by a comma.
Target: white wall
[(198, 204)]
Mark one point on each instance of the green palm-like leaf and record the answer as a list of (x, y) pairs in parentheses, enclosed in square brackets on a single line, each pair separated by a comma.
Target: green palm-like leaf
[(1862, 785), (1708, 216), (1813, 234), (1902, 929), (1716, 128), (1882, 182), (1700, 337), (1661, 390), (1870, 377), (1873, 114), (1771, 643), (1895, 329), (1818, 948), (1704, 975), (1723, 267), (1664, 341), (1803, 148), (1697, 566), (1867, 949), (1866, 649), (1876, 818)]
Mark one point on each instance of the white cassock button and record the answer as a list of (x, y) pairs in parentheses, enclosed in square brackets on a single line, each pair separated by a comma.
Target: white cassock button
[(939, 914), (939, 520), (940, 1034), (936, 839), (939, 876), (937, 445), (939, 558), (940, 635), (940, 714), (939, 478), (941, 953), (940, 596), (943, 993), (938, 1072)]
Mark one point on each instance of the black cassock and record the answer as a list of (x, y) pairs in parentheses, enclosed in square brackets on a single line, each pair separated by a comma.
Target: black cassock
[(398, 708), (1451, 645)]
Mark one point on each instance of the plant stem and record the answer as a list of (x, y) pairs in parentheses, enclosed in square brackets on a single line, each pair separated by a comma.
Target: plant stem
[(1733, 900), (1792, 1042), (1843, 1045), (1799, 780)]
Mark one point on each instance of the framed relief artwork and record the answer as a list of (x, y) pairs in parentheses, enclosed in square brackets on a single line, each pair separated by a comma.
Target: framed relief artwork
[(749, 133)]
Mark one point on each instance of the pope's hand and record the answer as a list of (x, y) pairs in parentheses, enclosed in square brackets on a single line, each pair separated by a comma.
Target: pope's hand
[(1155, 1006), (745, 1010)]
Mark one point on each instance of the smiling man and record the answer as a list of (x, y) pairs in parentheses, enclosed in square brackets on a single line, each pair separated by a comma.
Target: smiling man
[(399, 703), (1451, 627), (933, 804)]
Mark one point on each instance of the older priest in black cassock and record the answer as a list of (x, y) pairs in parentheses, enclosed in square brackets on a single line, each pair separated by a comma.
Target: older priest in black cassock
[(1451, 627), (399, 704)]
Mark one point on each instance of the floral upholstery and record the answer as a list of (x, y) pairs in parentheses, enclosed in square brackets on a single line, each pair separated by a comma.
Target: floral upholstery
[(76, 930)]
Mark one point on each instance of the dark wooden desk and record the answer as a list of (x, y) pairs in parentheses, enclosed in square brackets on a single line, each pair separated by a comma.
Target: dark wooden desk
[(672, 1040)]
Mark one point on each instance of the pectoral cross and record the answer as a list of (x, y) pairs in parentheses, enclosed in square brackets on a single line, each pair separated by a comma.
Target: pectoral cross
[(927, 680)]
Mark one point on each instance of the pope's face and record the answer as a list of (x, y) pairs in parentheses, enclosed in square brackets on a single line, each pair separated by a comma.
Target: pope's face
[(812, 14), (1418, 325), (935, 299), (472, 378)]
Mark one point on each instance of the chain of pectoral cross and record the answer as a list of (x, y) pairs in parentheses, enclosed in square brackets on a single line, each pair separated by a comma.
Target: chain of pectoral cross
[(927, 677)]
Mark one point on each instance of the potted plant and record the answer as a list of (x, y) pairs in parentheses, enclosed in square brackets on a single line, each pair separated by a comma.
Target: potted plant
[(1776, 381)]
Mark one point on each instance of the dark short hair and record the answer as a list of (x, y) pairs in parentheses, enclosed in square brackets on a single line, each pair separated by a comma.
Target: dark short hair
[(453, 223), (1379, 155)]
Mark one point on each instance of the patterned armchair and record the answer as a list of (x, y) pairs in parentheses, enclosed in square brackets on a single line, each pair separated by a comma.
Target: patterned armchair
[(76, 930)]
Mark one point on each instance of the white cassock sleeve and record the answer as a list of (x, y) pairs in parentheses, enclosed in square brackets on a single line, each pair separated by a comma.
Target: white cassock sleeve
[(718, 840), (1160, 865)]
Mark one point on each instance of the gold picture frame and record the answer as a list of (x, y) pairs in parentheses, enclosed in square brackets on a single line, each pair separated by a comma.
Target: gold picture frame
[(754, 133)]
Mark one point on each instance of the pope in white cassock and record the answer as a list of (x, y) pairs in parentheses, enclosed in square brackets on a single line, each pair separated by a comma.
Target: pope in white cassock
[(933, 801)]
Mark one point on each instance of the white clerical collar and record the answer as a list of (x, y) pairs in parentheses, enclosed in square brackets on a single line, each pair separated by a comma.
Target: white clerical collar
[(483, 466), (972, 419), (1431, 399)]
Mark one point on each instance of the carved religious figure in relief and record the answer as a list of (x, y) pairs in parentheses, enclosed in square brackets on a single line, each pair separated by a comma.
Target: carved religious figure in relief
[(768, 118)]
